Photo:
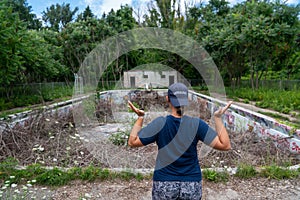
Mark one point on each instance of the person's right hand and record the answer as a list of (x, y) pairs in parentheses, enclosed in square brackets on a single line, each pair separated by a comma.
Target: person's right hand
[(222, 110), (139, 112)]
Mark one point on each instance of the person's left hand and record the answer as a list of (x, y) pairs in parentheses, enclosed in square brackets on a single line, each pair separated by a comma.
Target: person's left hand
[(139, 112)]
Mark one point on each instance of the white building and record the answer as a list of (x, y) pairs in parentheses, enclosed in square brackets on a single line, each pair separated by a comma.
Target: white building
[(150, 75)]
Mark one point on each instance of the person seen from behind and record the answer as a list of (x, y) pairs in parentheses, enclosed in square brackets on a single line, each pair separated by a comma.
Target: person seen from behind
[(177, 173)]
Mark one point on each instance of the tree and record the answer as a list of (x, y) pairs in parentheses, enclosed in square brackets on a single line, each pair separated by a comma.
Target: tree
[(11, 62), (87, 13), (251, 39), (24, 11), (79, 38), (122, 19), (270, 34), (58, 16), (40, 65), (219, 7), (25, 56), (166, 12), (152, 19)]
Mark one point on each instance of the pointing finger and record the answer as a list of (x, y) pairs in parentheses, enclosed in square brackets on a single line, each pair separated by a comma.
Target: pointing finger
[(226, 107)]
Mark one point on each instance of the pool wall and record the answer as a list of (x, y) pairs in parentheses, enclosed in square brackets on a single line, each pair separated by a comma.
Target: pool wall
[(243, 120)]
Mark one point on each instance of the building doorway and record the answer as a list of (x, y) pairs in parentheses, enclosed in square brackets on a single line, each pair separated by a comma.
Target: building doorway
[(171, 80), (132, 82)]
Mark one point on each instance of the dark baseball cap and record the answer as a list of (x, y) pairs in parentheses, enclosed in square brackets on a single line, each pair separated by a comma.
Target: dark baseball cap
[(178, 94)]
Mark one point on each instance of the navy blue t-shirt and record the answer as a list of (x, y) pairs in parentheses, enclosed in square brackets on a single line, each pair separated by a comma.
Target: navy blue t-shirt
[(177, 139)]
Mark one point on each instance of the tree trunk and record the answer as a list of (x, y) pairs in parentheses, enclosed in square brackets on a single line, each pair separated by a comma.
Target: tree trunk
[(256, 79), (252, 71)]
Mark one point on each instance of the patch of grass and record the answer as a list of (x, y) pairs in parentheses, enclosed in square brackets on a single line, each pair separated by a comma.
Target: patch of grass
[(246, 101), (282, 119), (214, 176), (246, 171), (200, 88), (59, 177), (280, 100), (274, 115), (4, 114), (6, 167), (276, 172), (28, 97), (126, 175), (54, 177), (90, 173)]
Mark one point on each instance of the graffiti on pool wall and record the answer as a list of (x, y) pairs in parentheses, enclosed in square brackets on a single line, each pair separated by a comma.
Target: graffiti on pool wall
[(241, 120)]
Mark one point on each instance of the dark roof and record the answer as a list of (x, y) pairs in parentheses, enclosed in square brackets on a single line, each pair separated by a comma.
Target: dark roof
[(152, 67)]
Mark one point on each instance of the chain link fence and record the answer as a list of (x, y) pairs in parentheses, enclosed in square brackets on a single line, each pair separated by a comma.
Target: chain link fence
[(274, 84), (37, 88)]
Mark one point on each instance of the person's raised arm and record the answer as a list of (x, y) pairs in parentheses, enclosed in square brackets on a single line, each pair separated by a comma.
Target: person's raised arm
[(221, 141), (134, 140)]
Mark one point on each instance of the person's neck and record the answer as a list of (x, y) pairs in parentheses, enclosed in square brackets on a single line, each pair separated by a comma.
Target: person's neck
[(174, 113)]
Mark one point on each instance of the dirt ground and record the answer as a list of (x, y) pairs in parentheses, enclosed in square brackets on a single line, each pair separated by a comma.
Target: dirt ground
[(234, 189)]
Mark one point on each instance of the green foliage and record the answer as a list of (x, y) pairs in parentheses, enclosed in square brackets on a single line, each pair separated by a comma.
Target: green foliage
[(279, 100), (30, 96), (251, 38), (87, 13), (246, 171), (125, 175), (25, 55), (52, 93), (215, 176), (246, 101), (6, 167), (119, 138), (59, 177), (257, 39), (90, 173), (4, 114), (122, 19), (104, 174), (276, 172), (276, 116), (58, 16), (81, 37), (25, 14), (202, 88), (53, 177), (12, 30), (140, 177), (33, 170)]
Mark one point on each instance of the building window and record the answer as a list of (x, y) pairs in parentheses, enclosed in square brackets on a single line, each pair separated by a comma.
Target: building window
[(163, 76), (145, 76)]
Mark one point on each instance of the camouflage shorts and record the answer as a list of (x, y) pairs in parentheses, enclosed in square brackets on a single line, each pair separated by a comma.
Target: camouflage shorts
[(163, 190)]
